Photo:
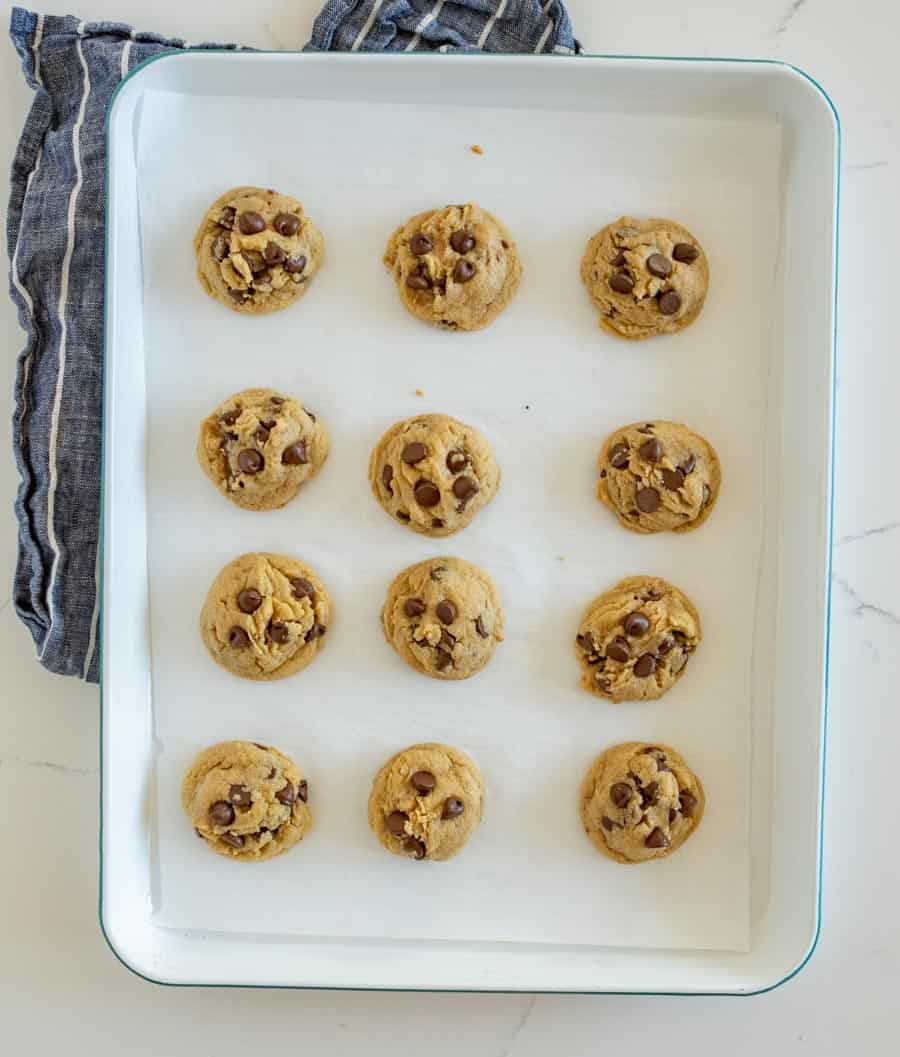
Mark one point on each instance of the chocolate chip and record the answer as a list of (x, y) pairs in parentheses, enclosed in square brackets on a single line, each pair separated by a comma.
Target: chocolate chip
[(415, 847), (621, 283), (414, 452), (278, 632), (464, 488), (673, 814), (619, 455), (286, 224), (648, 794), (673, 479), (453, 807), (446, 611), (234, 839), (315, 632), (414, 607), (647, 500), (427, 494), (618, 650), (657, 839), (396, 823), (238, 639), (437, 523), (295, 454), (463, 270), (303, 790), (311, 415), (254, 261), (636, 624), (687, 467), (654, 594), (220, 248), (437, 573), (685, 252), (277, 400), (443, 659), (707, 495), (230, 417), (423, 782), (620, 793), (250, 461), (462, 241), (221, 813), (602, 682), (669, 303), (285, 795), (251, 223), (417, 281), (447, 640), (199, 834), (420, 244), (226, 220), (240, 796), (261, 434), (303, 588), (265, 748), (586, 642), (618, 260), (238, 295), (295, 265), (659, 265), (645, 666), (504, 244), (402, 515), (651, 450), (480, 627), (262, 278), (688, 802), (607, 823), (274, 254), (666, 645), (456, 461), (249, 600), (387, 475)]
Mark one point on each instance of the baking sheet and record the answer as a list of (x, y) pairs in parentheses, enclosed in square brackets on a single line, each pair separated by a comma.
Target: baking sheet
[(545, 386)]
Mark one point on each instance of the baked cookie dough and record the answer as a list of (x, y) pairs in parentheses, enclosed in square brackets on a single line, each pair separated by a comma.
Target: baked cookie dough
[(265, 616), (260, 446), (634, 642), (646, 277), (247, 801), (426, 801), (443, 617), (433, 473), (455, 267), (659, 475), (257, 250), (640, 802)]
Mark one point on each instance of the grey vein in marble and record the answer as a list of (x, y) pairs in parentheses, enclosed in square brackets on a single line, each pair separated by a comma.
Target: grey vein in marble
[(518, 1028), (788, 16), (49, 765), (864, 166), (852, 537), (861, 606)]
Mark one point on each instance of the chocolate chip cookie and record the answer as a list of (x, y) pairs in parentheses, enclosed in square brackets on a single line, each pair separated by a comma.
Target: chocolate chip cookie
[(646, 277), (247, 801), (659, 475), (634, 642), (260, 446), (455, 267), (640, 802), (265, 616), (433, 473), (426, 801), (443, 617), (257, 251)]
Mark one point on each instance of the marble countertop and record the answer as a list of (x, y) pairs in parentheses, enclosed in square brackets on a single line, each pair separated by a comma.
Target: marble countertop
[(61, 988)]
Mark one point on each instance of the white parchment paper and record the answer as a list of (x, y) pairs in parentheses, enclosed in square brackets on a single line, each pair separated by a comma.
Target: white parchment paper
[(545, 385)]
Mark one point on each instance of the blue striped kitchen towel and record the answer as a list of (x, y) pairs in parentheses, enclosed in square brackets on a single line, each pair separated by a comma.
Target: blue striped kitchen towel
[(55, 238)]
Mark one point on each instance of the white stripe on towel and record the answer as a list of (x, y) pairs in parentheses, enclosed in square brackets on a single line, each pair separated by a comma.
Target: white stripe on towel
[(126, 57), (426, 21), (540, 44), (364, 32), (489, 25), (63, 330)]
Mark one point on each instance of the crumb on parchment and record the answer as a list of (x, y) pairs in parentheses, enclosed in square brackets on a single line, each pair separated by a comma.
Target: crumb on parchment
[(475, 149), (420, 392)]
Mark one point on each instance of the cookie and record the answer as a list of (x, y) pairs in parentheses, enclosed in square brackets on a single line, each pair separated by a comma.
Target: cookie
[(640, 802), (257, 251), (646, 277), (260, 446), (443, 617), (455, 267), (659, 475), (433, 473), (634, 642), (426, 801), (247, 801), (265, 616)]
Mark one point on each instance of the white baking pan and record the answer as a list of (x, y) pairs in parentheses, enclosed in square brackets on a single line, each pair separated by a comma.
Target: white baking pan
[(745, 154)]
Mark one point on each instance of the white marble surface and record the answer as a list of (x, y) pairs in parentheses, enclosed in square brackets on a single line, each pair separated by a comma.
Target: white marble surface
[(59, 985)]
